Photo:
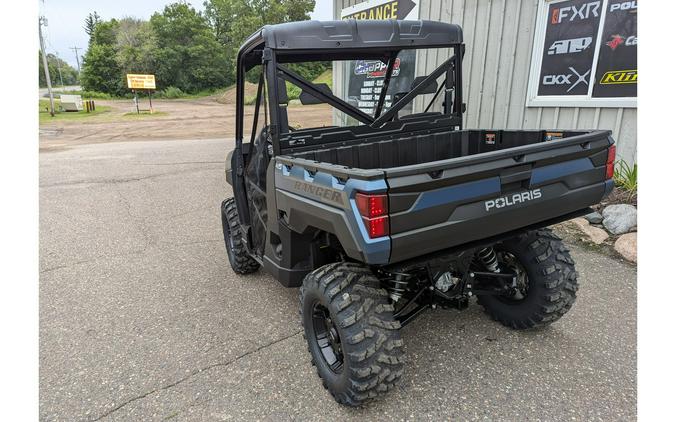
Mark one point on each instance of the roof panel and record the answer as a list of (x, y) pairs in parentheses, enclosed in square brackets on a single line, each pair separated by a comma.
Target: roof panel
[(359, 34)]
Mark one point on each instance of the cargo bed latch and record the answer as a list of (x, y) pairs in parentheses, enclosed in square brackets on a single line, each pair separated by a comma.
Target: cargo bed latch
[(516, 178)]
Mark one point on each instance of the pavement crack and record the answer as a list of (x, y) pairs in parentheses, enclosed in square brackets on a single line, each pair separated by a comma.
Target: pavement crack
[(181, 163), (132, 253), (127, 179), (139, 226), (195, 372), (96, 258)]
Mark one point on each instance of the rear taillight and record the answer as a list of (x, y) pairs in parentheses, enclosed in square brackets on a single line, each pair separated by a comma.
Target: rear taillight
[(373, 209), (611, 156)]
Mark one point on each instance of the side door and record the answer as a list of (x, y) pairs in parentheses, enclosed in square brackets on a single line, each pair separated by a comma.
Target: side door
[(260, 151)]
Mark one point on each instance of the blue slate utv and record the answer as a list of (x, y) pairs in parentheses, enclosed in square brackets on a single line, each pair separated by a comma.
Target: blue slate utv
[(393, 207)]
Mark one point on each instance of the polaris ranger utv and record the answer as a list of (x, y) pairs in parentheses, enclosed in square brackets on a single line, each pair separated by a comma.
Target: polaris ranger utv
[(384, 213)]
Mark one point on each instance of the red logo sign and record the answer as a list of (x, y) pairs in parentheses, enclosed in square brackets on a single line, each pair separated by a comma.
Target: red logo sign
[(616, 41)]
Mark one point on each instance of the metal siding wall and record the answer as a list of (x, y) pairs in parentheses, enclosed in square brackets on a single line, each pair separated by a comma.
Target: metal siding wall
[(498, 35)]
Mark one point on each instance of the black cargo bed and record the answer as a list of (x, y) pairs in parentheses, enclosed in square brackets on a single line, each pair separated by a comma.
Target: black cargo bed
[(422, 147)]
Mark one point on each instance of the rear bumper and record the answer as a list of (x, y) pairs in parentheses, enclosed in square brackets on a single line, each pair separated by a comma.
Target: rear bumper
[(472, 222)]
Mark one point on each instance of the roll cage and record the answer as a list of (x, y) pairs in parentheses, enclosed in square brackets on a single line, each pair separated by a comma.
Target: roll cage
[(274, 46)]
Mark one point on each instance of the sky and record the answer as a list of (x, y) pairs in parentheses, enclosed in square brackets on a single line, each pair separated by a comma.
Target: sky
[(65, 19)]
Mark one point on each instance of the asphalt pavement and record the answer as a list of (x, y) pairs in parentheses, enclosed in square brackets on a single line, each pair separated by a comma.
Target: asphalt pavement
[(141, 317)]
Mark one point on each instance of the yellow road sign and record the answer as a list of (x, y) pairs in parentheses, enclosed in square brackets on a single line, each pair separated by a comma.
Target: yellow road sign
[(135, 81)]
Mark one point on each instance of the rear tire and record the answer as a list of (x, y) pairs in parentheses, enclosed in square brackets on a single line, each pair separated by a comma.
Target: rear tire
[(240, 261), (551, 281), (351, 332)]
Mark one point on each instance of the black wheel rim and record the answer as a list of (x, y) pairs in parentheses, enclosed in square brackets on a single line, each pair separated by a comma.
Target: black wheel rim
[(520, 287), (327, 337)]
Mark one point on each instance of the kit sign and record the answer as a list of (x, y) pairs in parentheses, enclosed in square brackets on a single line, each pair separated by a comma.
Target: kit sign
[(616, 74), (365, 78), (582, 59), (135, 81)]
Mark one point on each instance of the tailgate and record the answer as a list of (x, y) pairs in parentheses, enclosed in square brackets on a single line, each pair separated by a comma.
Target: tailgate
[(442, 204)]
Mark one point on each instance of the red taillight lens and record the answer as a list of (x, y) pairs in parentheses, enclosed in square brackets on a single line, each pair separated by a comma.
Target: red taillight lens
[(371, 205), (373, 210), (377, 227), (611, 156)]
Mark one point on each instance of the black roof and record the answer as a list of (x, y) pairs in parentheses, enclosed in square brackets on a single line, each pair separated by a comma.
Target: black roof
[(331, 37)]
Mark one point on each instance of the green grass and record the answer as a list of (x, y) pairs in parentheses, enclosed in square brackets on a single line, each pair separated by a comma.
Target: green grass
[(171, 93), (87, 95), (44, 116), (625, 176), (325, 78), (144, 114), (168, 93)]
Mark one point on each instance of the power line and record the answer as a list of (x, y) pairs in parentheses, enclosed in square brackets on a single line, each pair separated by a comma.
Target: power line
[(58, 66), (77, 57)]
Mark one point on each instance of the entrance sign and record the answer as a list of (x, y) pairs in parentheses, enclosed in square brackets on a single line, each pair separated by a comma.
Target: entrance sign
[(138, 81), (382, 9)]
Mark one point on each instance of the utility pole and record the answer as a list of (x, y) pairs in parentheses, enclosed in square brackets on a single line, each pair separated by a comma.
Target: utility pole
[(77, 57), (42, 21), (58, 66)]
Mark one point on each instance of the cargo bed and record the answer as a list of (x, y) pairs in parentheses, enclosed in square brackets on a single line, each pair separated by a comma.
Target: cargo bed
[(448, 188)]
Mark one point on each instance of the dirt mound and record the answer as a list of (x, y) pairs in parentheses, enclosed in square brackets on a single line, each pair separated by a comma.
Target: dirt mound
[(230, 95)]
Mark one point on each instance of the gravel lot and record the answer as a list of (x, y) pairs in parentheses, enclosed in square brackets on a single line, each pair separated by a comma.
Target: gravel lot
[(141, 317)]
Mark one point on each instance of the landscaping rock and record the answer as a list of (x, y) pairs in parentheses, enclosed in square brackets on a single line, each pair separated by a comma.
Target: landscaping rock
[(626, 246), (594, 217), (595, 234), (620, 218)]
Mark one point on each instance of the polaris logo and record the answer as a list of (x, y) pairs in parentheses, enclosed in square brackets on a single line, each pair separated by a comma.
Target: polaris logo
[(627, 5), (509, 200)]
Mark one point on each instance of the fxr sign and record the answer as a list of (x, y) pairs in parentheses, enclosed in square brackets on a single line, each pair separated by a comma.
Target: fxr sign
[(574, 13)]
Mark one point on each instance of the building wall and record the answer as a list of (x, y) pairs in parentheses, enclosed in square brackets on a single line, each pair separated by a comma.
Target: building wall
[(499, 35)]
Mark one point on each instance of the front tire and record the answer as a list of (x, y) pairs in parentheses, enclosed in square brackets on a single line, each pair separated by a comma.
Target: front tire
[(547, 281), (351, 332), (240, 261)]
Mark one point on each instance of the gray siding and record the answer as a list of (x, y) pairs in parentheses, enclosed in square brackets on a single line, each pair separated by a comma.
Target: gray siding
[(499, 36)]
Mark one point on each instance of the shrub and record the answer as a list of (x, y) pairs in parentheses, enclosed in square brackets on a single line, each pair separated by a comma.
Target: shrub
[(292, 91), (625, 176), (95, 95), (172, 92)]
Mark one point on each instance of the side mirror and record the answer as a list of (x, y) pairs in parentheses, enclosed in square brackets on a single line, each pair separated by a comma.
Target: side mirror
[(429, 89), (306, 98)]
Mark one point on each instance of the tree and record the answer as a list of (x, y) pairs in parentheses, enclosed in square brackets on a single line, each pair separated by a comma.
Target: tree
[(136, 44), (68, 73), (100, 70), (234, 20), (90, 22), (188, 55)]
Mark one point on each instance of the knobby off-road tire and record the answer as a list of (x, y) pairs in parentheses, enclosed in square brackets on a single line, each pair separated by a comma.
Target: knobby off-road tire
[(551, 281), (368, 336), (240, 261)]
